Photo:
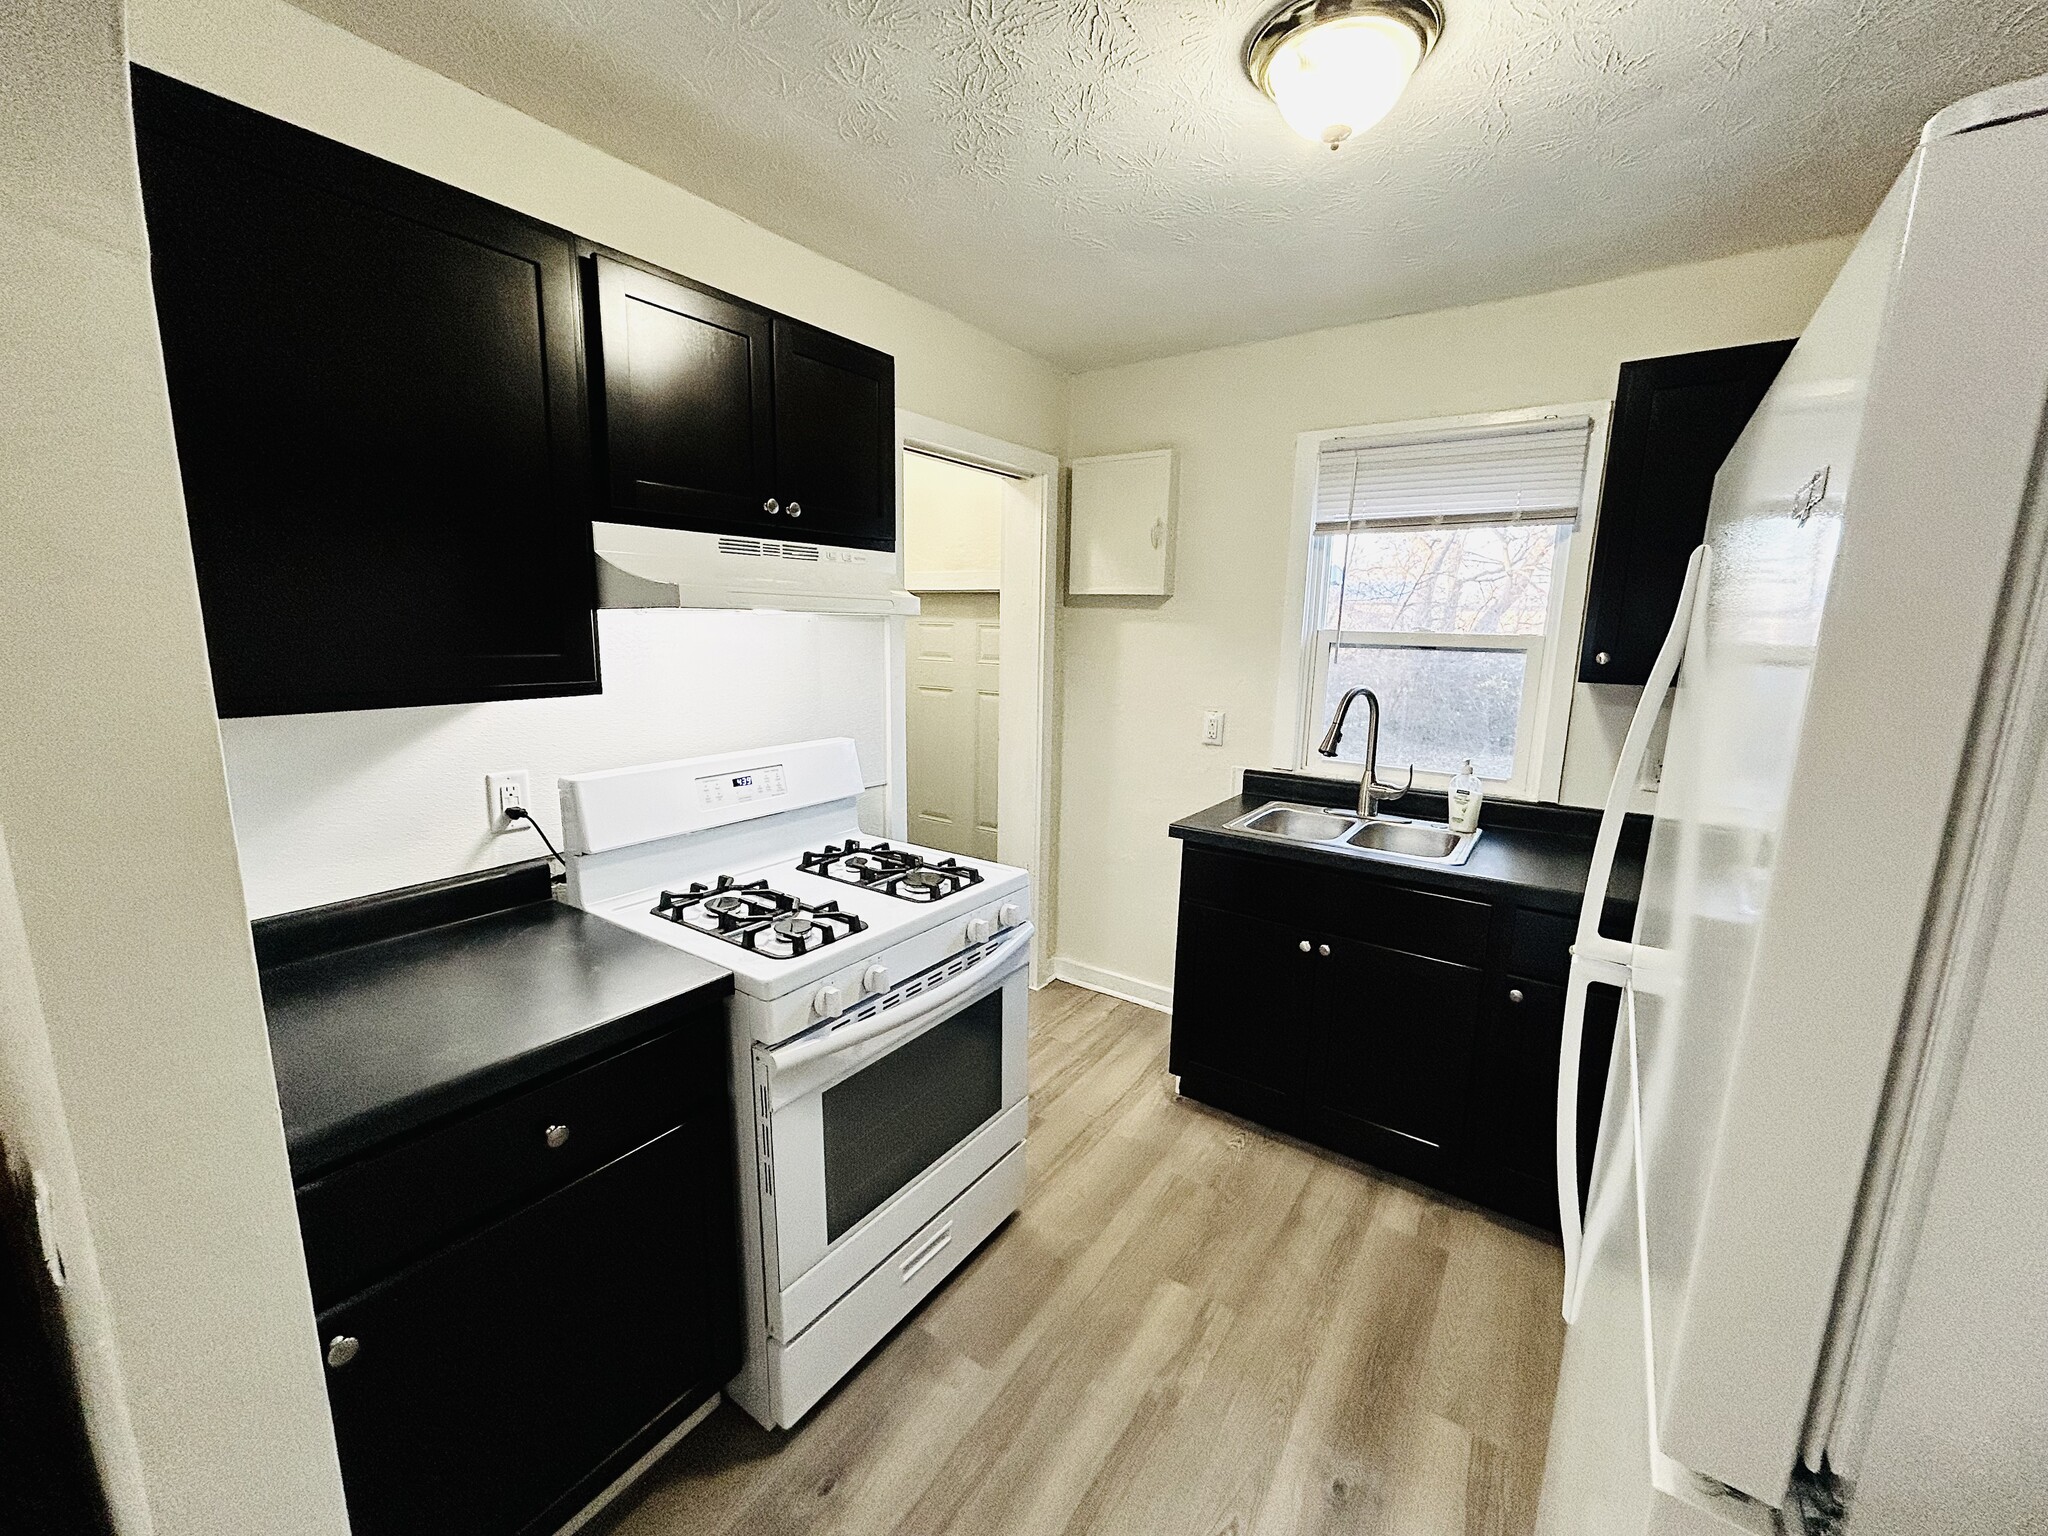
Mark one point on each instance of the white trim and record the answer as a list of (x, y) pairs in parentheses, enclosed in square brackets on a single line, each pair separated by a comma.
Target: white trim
[(624, 1482), (1028, 762), (1114, 984), (1548, 714)]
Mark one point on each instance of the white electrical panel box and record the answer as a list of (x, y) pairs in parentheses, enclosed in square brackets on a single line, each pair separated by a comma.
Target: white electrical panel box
[(1120, 539)]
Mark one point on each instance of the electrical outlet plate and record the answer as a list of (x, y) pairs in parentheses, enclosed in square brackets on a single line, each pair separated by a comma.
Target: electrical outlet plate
[(1212, 727), (504, 792)]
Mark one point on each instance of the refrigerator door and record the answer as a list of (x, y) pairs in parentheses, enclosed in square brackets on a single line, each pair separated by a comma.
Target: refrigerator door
[(1604, 1475), (1861, 534)]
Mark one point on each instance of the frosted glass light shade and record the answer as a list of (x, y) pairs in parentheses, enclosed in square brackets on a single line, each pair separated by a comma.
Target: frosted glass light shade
[(1334, 69)]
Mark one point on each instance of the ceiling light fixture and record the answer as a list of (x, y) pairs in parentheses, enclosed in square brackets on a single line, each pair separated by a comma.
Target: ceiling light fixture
[(1336, 67)]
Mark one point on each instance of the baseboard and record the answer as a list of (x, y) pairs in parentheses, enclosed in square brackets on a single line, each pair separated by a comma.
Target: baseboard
[(1129, 988), (601, 1505)]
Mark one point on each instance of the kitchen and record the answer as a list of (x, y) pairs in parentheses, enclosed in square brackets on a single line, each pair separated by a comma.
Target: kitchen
[(119, 778)]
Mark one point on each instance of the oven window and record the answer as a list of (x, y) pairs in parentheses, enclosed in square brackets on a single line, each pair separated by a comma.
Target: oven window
[(904, 1111)]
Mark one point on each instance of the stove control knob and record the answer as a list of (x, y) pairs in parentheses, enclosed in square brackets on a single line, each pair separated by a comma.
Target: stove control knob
[(1010, 915), (827, 1002), (875, 978), (980, 930)]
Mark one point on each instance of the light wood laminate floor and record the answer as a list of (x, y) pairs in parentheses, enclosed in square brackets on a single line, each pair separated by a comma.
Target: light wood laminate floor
[(1192, 1328)]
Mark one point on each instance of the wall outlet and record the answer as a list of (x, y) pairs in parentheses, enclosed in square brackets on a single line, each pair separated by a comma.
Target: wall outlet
[(1212, 727), (505, 792)]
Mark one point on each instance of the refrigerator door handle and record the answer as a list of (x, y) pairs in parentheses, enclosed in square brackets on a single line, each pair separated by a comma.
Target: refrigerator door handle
[(1595, 957)]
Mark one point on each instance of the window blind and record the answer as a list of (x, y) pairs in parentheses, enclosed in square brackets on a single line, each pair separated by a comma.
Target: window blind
[(1530, 472)]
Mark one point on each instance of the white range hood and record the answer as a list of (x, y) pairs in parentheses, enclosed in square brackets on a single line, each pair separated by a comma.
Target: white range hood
[(662, 568)]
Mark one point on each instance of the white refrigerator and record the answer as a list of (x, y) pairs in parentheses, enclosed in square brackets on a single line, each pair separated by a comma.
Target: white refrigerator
[(1811, 1288)]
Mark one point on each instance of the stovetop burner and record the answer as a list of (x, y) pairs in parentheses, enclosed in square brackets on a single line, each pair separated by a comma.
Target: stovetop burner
[(757, 918), (892, 871)]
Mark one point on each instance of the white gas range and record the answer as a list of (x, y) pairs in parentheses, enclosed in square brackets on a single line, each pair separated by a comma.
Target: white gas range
[(880, 996)]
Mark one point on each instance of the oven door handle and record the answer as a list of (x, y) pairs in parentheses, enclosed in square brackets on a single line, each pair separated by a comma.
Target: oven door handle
[(830, 1042)]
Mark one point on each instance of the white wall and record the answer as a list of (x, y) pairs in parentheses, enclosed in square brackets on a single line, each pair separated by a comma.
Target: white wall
[(1139, 674), (328, 806), (134, 1067), (338, 805), (952, 526)]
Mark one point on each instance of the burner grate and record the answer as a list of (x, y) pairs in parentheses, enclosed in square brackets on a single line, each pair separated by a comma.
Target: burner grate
[(758, 918), (892, 871)]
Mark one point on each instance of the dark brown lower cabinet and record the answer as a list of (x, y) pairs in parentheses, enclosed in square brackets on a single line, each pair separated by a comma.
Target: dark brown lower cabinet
[(490, 1382), (516, 1304), (1393, 1056), (1254, 996), (1385, 1024)]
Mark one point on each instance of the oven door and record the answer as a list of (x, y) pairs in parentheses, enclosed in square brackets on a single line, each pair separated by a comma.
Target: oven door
[(873, 1123)]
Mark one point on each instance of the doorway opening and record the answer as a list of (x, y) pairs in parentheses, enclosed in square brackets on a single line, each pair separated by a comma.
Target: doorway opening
[(953, 562), (974, 735)]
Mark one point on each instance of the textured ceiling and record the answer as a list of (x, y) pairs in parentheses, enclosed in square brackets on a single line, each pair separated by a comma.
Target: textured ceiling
[(1096, 181)]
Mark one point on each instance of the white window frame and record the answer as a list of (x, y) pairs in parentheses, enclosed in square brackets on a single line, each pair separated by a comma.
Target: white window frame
[(1553, 655)]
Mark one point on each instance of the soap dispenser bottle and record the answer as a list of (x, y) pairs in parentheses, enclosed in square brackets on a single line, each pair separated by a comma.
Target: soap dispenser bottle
[(1466, 794)]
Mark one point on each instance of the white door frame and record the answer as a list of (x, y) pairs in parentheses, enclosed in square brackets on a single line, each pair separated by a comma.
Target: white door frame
[(1026, 757)]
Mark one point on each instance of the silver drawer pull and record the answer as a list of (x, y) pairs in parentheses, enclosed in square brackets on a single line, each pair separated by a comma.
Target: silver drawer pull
[(1323, 950), (341, 1349), (1305, 946), (1514, 994), (557, 1135), (796, 509), (771, 506), (928, 1252)]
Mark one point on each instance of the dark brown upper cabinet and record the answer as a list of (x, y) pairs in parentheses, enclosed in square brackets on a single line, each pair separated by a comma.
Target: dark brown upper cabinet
[(720, 417), (686, 403), (1675, 418), (835, 437), (376, 382)]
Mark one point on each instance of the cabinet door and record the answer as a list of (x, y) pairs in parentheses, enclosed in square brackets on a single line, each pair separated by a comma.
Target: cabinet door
[(1675, 418), (1391, 1065), (1517, 1136), (1240, 1002), (376, 384), (686, 404), (492, 1380), (835, 439)]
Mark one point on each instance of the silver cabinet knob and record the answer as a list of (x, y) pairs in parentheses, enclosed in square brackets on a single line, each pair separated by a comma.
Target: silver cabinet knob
[(1306, 946), (341, 1349), (1323, 950), (771, 506), (796, 509), (1514, 994), (557, 1135), (1599, 658)]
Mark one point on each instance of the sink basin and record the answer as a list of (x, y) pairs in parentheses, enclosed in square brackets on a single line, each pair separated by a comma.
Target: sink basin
[(1411, 840), (1299, 823), (1394, 837)]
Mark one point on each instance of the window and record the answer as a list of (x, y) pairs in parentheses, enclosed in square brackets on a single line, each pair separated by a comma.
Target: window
[(1440, 562)]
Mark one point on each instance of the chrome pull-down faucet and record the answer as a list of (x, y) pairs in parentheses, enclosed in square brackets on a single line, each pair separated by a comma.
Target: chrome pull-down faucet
[(1370, 790)]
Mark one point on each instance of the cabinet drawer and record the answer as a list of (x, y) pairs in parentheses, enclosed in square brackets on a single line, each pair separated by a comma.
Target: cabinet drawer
[(368, 1218), (1349, 904), (1540, 944)]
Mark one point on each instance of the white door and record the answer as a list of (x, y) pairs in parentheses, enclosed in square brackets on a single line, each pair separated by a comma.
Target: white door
[(955, 698)]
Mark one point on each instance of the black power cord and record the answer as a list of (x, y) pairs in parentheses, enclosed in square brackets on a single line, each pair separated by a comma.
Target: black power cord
[(521, 813)]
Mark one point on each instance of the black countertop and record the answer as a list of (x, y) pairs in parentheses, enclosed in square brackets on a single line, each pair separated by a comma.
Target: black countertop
[(1541, 853), (380, 1024)]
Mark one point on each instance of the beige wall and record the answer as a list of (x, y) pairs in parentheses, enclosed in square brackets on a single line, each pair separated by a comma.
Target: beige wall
[(134, 1066), (1138, 675)]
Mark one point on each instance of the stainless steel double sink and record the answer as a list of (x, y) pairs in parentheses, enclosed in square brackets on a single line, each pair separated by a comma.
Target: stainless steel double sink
[(1394, 837)]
